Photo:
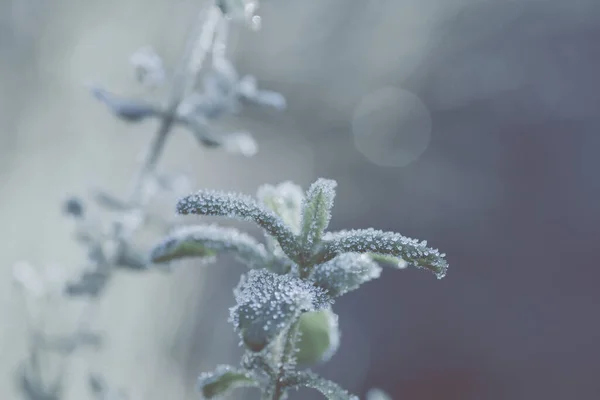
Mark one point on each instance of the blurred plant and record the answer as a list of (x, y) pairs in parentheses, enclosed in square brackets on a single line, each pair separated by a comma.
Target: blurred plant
[(283, 305), (109, 237)]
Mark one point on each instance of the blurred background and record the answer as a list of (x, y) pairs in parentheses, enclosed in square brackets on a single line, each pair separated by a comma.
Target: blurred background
[(473, 124)]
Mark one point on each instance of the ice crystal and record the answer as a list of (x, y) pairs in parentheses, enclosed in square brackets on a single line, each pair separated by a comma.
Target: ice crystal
[(329, 389), (243, 207), (268, 303), (222, 380), (387, 243), (316, 213), (345, 273), (207, 241)]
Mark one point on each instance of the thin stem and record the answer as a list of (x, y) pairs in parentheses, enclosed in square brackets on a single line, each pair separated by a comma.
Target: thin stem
[(287, 358), (194, 54)]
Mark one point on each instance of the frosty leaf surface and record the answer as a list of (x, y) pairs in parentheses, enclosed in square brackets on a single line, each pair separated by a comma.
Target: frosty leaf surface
[(386, 243), (268, 303), (208, 241), (285, 199), (345, 273), (223, 380), (216, 203), (316, 213), (330, 390)]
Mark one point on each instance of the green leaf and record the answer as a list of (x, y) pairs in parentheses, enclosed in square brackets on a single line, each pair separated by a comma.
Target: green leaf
[(389, 261), (385, 243), (216, 203), (345, 273), (268, 303), (319, 337), (208, 241), (316, 213), (285, 199), (224, 379), (330, 390)]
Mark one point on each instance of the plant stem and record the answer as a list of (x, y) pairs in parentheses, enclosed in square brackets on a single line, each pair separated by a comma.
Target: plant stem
[(197, 47), (287, 358)]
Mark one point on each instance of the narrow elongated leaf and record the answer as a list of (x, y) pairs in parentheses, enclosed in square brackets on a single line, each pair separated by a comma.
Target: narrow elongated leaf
[(126, 109), (216, 203), (330, 390), (208, 241), (345, 273), (268, 303), (316, 213), (223, 380), (386, 243)]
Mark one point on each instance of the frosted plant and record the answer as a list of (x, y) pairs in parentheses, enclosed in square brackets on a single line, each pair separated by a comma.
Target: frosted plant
[(109, 226), (283, 312)]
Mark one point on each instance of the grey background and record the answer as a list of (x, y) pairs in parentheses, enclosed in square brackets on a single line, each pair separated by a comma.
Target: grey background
[(504, 181)]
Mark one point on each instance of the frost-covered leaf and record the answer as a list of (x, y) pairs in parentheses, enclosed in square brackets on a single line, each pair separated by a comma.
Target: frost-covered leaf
[(386, 243), (216, 203), (208, 241), (330, 390), (148, 67), (316, 213), (267, 304), (377, 394), (222, 380), (285, 199), (126, 109), (345, 273), (389, 261), (319, 337)]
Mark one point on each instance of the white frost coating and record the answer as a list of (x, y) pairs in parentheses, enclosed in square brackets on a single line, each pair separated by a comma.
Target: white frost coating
[(388, 243), (216, 203), (268, 303), (316, 212), (345, 273), (213, 238), (285, 199), (215, 384)]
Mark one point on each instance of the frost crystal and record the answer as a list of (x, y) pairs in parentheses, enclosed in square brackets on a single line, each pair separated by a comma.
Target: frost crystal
[(268, 303), (316, 212), (243, 207), (285, 200), (207, 241), (329, 389), (387, 243), (345, 273)]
